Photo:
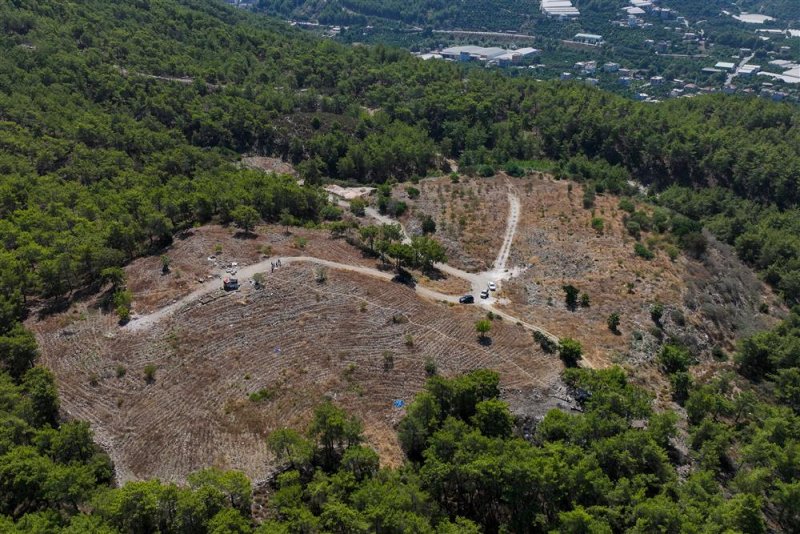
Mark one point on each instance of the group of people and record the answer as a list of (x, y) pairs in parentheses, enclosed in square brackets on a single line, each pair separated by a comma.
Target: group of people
[(275, 265)]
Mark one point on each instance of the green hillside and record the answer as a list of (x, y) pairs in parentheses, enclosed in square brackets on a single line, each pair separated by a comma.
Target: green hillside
[(121, 123), (506, 14)]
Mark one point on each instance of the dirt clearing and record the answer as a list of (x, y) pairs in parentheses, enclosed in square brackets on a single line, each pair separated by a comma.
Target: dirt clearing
[(362, 342), (557, 245), (470, 217)]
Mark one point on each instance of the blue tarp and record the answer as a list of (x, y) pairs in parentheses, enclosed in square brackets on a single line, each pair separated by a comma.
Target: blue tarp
[(399, 403)]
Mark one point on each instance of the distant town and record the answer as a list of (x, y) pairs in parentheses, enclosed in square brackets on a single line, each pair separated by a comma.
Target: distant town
[(648, 50)]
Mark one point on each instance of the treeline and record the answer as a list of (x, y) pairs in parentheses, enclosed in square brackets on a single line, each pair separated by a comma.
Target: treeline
[(102, 141), (101, 161), (472, 14), (471, 468)]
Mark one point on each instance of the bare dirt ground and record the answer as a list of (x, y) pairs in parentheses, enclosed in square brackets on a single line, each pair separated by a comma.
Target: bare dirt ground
[(363, 340), (356, 339), (267, 164), (191, 267), (470, 217), (556, 244)]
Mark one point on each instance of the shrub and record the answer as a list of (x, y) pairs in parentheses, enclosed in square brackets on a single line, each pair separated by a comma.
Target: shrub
[(643, 252), (358, 207), (486, 171), (642, 219), (396, 208), (412, 192), (399, 318), (149, 373), (428, 225), (694, 243), (585, 300), (388, 361), (598, 225), (122, 298), (634, 229), (677, 317), (681, 383), (430, 367), (515, 169), (571, 296), (331, 212), (672, 251), (613, 322), (674, 359), (547, 344), (300, 242), (719, 354), (124, 314), (259, 279), (483, 327), (121, 371), (262, 394), (570, 351), (321, 274), (588, 197), (626, 204), (657, 312)]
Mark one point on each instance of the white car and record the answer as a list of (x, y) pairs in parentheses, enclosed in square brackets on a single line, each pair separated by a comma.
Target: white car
[(485, 294), (492, 286)]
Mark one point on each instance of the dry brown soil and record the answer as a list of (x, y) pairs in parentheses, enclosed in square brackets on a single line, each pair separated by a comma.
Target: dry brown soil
[(301, 340), (362, 341), (190, 263), (557, 245), (470, 217)]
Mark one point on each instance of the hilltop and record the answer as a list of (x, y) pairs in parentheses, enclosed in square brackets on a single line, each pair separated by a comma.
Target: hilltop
[(618, 376)]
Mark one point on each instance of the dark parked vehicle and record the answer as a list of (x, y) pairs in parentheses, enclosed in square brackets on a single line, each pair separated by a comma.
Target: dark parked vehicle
[(467, 299), (230, 284)]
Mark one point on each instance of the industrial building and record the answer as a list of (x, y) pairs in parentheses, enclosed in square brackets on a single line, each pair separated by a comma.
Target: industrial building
[(559, 9), (588, 39), (500, 56)]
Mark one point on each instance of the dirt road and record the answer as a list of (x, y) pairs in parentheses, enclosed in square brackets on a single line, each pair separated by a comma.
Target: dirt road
[(478, 281), (146, 321)]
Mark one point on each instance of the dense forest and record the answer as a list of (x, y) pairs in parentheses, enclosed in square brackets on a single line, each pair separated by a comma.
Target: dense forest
[(507, 14), (121, 123)]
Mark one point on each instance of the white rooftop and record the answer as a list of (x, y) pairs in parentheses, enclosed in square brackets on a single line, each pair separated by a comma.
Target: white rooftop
[(633, 10)]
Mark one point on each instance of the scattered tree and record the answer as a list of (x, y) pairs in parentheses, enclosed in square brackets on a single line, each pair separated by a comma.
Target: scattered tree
[(613, 322), (149, 373), (358, 206), (570, 351), (428, 225), (287, 220), (571, 296), (321, 274), (598, 225), (483, 327), (245, 217), (656, 313)]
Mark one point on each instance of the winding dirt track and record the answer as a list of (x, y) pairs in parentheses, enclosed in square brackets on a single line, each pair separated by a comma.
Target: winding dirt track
[(478, 281)]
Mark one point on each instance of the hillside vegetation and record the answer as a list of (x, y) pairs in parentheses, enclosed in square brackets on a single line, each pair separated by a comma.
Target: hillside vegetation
[(437, 13), (121, 123)]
